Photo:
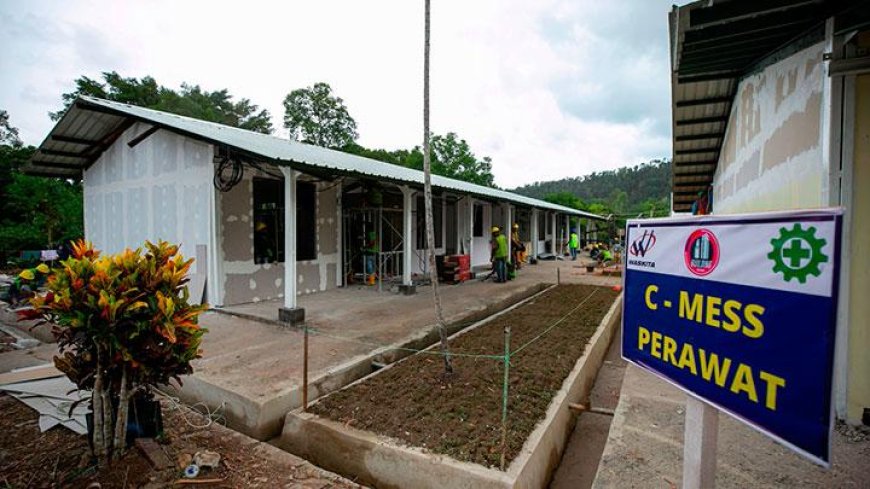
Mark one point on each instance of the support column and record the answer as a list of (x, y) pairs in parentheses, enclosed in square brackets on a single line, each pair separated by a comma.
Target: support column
[(339, 235), (567, 227), (534, 236), (553, 236), (470, 229), (214, 254), (508, 229), (290, 313), (458, 227), (407, 287)]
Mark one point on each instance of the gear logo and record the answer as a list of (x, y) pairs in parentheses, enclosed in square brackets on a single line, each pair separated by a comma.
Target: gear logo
[(797, 253)]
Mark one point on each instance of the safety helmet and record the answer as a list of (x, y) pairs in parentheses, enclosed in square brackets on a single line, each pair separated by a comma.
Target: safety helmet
[(495, 229), (516, 226)]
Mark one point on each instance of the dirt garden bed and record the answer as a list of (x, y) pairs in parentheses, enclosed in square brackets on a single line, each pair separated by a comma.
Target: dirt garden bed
[(460, 415), (61, 458)]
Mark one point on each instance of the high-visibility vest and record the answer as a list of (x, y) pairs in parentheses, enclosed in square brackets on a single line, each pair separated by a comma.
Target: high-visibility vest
[(501, 247), (574, 242)]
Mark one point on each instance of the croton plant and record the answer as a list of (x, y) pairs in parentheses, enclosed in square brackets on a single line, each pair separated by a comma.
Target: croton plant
[(123, 323)]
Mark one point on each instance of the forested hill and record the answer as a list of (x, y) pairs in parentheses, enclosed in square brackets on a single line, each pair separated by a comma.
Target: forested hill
[(632, 188)]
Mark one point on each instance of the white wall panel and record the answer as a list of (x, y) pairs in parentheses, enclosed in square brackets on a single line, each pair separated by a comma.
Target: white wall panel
[(158, 189)]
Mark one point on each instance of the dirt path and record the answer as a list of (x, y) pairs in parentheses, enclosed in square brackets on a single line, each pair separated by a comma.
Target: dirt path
[(586, 444)]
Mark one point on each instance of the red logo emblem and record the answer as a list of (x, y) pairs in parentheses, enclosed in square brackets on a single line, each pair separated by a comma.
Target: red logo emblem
[(702, 252), (641, 245)]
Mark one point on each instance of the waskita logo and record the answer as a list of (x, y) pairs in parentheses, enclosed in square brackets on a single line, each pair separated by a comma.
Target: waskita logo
[(640, 247), (643, 244)]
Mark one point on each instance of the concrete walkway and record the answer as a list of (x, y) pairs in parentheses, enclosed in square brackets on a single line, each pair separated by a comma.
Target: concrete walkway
[(252, 370), (645, 447)]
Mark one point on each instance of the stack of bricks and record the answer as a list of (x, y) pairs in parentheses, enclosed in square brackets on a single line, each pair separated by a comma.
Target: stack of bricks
[(457, 268)]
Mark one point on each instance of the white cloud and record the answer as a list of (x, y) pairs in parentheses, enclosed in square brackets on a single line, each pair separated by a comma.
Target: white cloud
[(548, 89)]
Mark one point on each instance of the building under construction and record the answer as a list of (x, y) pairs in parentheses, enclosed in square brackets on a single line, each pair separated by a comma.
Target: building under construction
[(231, 197)]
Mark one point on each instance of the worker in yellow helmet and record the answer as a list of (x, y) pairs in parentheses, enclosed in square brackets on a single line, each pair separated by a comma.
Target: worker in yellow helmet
[(499, 254), (25, 284), (517, 247)]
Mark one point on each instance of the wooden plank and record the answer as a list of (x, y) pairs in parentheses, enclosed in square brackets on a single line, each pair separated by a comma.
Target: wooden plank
[(25, 375)]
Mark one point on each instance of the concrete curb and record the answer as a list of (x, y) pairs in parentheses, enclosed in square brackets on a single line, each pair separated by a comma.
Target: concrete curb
[(27, 330), (384, 462)]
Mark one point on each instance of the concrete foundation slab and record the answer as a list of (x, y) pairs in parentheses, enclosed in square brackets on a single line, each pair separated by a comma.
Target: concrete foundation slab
[(252, 366)]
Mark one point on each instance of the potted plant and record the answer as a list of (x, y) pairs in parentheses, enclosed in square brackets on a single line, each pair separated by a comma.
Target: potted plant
[(123, 324)]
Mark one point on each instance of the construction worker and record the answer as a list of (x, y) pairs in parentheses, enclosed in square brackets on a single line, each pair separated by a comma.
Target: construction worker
[(573, 244), (370, 251), (517, 247), (605, 258), (499, 254), (594, 251), (25, 284)]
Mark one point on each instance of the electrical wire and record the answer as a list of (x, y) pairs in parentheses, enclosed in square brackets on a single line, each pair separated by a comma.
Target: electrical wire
[(212, 416), (224, 182)]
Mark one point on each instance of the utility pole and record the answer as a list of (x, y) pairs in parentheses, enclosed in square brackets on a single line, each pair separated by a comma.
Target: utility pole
[(427, 198)]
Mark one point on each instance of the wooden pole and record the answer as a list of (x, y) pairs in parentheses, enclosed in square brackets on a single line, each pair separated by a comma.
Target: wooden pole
[(699, 445), (504, 401), (427, 199), (305, 370)]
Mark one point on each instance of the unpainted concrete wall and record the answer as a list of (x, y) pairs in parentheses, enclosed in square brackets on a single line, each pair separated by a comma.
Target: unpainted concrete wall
[(246, 281), (858, 392), (771, 158), (158, 189)]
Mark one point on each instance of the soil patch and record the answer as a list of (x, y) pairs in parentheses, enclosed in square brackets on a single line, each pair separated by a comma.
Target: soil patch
[(460, 414), (6, 341), (61, 458)]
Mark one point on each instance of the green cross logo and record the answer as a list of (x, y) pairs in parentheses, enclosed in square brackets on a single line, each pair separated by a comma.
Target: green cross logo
[(797, 253)]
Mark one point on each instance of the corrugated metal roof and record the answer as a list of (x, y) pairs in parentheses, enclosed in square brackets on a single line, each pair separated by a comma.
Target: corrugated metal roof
[(91, 125)]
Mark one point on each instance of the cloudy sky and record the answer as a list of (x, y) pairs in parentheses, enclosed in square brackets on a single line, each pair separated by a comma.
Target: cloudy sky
[(546, 88)]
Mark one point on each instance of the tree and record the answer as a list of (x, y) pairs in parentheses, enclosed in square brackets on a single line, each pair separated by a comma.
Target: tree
[(640, 183), (191, 100), (314, 115), (216, 106), (35, 212), (453, 158), (427, 198), (566, 199), (450, 156), (618, 201), (8, 134)]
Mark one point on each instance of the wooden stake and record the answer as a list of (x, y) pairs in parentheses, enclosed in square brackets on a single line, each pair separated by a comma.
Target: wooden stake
[(305, 370), (699, 445), (558, 276)]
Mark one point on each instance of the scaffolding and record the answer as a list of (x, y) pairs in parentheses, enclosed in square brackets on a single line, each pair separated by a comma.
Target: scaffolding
[(358, 223)]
